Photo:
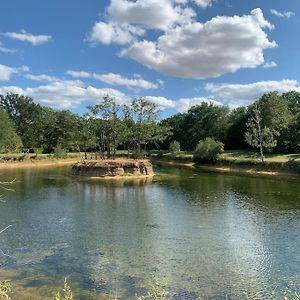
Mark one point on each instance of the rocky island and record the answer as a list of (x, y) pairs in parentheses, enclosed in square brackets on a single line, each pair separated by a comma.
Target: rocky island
[(113, 168)]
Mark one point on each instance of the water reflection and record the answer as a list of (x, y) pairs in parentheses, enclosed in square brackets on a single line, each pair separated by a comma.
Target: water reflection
[(204, 235)]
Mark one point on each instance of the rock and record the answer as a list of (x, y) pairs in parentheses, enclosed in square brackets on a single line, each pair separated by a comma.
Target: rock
[(113, 168)]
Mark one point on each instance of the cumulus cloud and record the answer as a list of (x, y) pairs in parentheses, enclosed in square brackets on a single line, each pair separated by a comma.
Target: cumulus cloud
[(65, 94), (126, 20), (6, 72), (113, 33), (182, 46), (25, 36), (286, 14), (116, 79), (241, 94), (151, 14), (200, 51)]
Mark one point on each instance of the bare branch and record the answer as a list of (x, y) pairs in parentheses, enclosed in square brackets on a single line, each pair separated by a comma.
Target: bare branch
[(5, 228)]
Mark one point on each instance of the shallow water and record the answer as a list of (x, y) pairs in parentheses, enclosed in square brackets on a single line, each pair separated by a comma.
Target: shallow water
[(200, 235)]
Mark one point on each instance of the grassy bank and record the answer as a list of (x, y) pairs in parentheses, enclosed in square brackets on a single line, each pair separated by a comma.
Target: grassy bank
[(28, 160), (238, 162)]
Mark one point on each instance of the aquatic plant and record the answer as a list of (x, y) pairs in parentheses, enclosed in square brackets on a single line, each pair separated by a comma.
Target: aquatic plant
[(65, 293), (155, 291), (5, 290)]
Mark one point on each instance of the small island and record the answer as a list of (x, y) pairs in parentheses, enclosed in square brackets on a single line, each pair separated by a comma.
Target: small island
[(119, 168)]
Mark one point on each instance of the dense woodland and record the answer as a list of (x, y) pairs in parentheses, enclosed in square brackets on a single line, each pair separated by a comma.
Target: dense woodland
[(272, 123)]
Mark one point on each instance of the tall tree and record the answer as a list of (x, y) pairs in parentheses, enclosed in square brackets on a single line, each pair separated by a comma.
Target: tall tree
[(9, 139), (144, 124), (25, 113), (258, 135)]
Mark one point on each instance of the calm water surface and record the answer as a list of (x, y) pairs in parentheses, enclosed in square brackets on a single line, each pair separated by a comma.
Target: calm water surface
[(201, 235)]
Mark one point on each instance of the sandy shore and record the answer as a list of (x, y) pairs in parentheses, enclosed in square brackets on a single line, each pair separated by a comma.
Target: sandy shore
[(38, 163), (247, 170)]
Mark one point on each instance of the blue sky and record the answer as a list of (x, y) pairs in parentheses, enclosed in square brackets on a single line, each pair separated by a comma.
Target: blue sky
[(176, 53)]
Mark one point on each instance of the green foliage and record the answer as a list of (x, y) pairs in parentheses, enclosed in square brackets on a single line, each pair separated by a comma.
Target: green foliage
[(208, 151), (65, 293), (258, 135), (174, 148), (201, 121), (9, 139), (59, 152), (5, 290)]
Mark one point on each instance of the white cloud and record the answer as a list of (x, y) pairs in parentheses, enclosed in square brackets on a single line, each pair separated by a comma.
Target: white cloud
[(203, 3), (200, 51), (41, 78), (113, 33), (286, 14), (151, 14), (78, 74), (242, 94), (65, 94), (116, 79), (25, 36), (6, 72), (6, 50), (180, 105), (270, 64)]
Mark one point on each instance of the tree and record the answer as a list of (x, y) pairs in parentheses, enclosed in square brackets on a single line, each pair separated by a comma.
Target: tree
[(235, 137), (199, 122), (257, 135), (86, 135), (25, 115), (109, 126), (174, 148), (9, 139), (208, 151), (142, 119)]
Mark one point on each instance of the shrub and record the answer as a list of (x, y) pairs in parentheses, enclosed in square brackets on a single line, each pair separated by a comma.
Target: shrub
[(59, 152), (174, 148), (208, 151)]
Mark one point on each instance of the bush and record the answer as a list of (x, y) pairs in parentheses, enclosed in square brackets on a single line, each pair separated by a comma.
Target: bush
[(174, 148), (208, 151), (59, 152)]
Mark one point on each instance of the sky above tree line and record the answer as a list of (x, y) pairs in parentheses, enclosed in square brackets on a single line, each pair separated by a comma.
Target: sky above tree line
[(176, 53)]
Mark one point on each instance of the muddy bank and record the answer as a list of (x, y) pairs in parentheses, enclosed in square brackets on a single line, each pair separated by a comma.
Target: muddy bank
[(121, 168)]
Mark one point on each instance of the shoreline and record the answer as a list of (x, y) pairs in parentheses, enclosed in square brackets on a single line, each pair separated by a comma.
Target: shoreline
[(226, 169), (38, 163), (125, 177), (222, 168)]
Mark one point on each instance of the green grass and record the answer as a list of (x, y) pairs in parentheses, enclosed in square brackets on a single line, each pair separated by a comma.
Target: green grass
[(250, 156)]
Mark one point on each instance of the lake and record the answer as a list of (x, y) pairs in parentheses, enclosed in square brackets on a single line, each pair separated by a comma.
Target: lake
[(193, 234)]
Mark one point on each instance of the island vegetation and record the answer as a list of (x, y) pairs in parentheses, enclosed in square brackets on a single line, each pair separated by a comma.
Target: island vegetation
[(268, 128)]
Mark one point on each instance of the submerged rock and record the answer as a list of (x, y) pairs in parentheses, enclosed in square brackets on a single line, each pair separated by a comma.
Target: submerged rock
[(113, 168)]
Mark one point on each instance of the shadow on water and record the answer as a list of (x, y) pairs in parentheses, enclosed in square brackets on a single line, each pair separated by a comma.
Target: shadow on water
[(203, 235)]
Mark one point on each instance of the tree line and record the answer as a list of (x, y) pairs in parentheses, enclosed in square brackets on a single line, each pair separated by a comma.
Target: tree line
[(271, 123), (105, 128)]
